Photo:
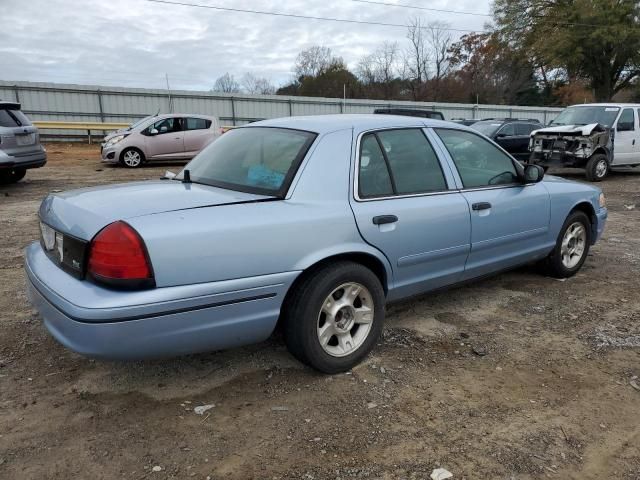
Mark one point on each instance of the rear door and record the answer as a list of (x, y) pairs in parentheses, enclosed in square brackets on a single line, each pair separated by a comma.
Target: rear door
[(18, 137), (168, 143), (509, 220), (405, 204), (198, 133)]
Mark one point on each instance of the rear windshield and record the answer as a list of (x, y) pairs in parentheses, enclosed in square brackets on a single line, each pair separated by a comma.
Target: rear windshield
[(587, 115), (13, 118), (259, 160), (487, 128)]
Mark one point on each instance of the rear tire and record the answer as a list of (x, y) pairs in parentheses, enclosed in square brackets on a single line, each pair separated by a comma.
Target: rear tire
[(597, 167), (131, 157), (12, 175), (334, 317), (572, 247)]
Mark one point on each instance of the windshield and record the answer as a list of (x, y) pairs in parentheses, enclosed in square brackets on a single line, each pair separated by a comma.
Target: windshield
[(259, 160), (487, 128), (587, 115), (140, 122)]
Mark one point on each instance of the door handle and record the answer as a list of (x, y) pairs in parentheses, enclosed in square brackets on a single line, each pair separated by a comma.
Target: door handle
[(382, 219), (481, 206)]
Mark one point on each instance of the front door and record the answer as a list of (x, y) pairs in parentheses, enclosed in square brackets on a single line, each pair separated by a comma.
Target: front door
[(625, 145), (509, 220), (407, 206), (165, 139)]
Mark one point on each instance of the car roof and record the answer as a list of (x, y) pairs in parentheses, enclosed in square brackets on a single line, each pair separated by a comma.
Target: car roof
[(510, 120), (608, 104), (9, 105), (191, 115), (359, 122)]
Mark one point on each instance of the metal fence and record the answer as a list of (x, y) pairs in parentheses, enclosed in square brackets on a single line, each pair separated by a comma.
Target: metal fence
[(62, 102)]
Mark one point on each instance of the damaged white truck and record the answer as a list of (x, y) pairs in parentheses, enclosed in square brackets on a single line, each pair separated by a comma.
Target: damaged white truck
[(596, 137)]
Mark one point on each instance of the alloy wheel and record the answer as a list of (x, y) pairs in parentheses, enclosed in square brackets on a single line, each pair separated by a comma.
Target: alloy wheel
[(573, 245), (345, 319)]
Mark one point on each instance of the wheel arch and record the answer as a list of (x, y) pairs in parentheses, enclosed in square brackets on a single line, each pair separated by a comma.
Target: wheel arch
[(587, 208), (132, 147), (376, 264)]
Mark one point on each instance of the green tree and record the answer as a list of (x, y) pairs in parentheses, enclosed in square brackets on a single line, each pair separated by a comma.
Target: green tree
[(596, 41)]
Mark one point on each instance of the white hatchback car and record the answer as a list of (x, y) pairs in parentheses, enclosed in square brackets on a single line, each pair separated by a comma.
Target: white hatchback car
[(174, 136)]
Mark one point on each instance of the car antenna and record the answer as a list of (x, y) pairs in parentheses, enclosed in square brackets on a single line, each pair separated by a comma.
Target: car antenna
[(186, 176)]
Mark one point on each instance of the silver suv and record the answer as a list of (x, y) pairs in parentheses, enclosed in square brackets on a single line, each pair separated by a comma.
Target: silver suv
[(19, 144)]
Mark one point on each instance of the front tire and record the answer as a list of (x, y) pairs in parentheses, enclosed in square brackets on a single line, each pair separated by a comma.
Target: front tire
[(572, 246), (12, 175), (334, 316), (597, 168), (131, 158)]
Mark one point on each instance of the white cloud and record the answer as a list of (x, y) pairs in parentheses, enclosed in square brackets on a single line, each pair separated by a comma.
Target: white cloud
[(135, 42)]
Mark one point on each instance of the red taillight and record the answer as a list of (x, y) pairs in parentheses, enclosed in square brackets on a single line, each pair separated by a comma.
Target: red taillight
[(118, 256)]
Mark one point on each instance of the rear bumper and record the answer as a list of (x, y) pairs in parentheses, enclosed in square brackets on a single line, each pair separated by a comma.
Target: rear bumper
[(173, 321), (32, 160)]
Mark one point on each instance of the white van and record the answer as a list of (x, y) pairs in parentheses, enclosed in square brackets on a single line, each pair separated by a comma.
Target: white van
[(594, 136)]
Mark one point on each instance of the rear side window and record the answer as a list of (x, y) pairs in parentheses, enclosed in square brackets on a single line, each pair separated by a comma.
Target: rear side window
[(197, 123), (13, 118), (399, 162), (478, 161), (374, 179)]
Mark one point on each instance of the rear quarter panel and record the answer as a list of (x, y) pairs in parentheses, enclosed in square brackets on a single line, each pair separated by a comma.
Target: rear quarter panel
[(237, 241)]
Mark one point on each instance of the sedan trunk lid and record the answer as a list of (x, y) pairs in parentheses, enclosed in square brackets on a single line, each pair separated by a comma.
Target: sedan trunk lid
[(83, 213)]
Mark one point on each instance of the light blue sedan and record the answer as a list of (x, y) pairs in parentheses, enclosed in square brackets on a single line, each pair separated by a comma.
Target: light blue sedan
[(313, 222)]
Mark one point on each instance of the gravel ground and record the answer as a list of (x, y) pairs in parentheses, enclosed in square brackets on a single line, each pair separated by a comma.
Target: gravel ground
[(515, 377)]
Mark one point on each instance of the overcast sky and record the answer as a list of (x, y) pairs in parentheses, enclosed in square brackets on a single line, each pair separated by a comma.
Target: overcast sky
[(135, 42)]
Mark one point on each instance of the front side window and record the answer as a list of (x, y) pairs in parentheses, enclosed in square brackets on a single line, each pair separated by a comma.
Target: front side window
[(259, 160), (626, 122), (479, 162), (524, 129), (198, 123), (399, 162), (168, 125)]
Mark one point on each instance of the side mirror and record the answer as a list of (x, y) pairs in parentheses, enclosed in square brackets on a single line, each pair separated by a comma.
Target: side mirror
[(533, 173), (501, 135), (153, 131)]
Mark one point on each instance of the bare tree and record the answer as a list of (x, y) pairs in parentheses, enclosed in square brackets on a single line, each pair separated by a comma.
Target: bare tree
[(313, 61), (416, 57), (366, 70), (226, 84), (385, 59), (439, 42), (257, 85)]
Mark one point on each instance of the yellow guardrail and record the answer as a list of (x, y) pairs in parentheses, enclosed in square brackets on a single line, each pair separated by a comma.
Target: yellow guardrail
[(46, 124), (88, 126)]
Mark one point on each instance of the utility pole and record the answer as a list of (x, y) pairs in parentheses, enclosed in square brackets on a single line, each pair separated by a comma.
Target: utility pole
[(166, 76)]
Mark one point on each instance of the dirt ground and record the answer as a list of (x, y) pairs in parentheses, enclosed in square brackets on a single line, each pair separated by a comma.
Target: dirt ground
[(515, 377)]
